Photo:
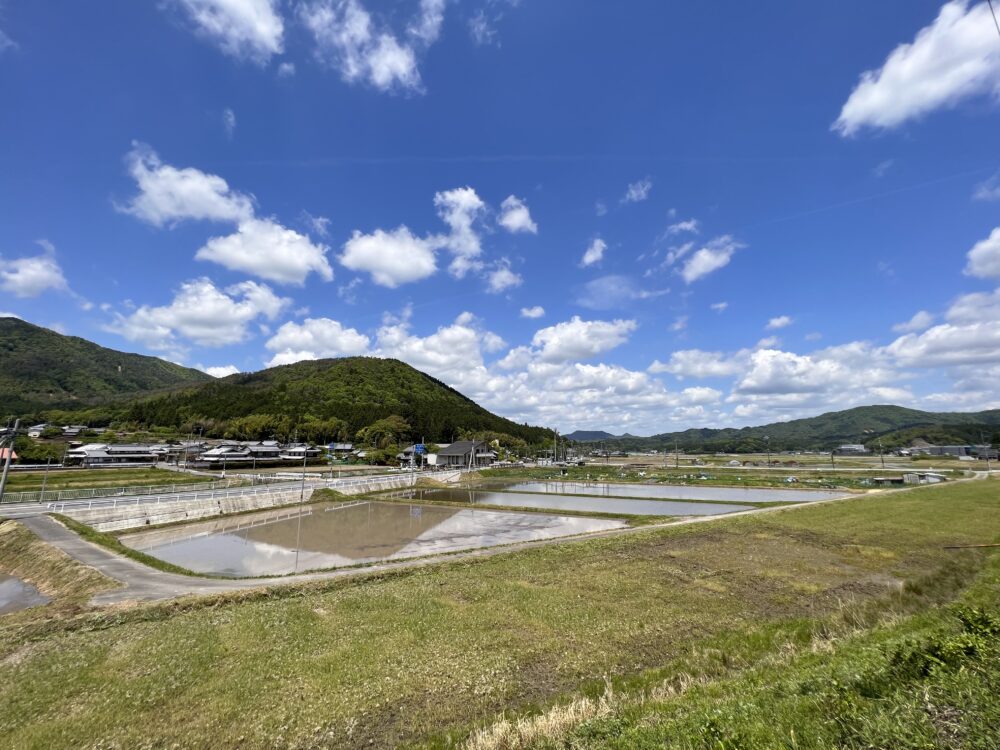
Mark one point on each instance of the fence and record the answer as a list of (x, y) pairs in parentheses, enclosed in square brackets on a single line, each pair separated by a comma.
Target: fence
[(95, 492)]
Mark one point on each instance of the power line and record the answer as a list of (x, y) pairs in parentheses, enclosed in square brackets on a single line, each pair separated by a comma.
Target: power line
[(993, 11)]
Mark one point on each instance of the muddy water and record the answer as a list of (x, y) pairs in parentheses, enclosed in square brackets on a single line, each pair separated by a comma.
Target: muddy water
[(579, 503), (328, 535), (15, 594), (668, 491)]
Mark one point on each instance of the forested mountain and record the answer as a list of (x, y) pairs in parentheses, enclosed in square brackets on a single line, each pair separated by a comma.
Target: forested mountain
[(41, 369), (356, 390), (895, 425)]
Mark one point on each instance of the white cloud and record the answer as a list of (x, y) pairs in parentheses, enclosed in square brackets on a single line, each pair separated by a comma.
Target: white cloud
[(201, 313), (690, 226), (286, 70), (168, 195), (29, 277), (244, 29), (10, 315), (614, 291), (988, 190), (6, 42), (349, 292), (880, 169), (348, 39), (918, 322), (266, 249), (580, 339), (392, 258), (782, 321), (955, 58), (970, 336), (515, 217), (594, 252), (229, 122), (698, 364), (814, 336), (453, 353), (532, 312), (680, 323), (460, 209), (984, 257), (600, 208), (719, 307), (220, 371), (714, 255), (318, 224), (502, 278), (638, 191), (315, 338)]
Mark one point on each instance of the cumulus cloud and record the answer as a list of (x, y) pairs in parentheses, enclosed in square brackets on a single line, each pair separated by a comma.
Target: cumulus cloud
[(594, 252), (501, 278), (245, 29), (315, 338), (953, 59), (515, 217), (698, 364), (711, 257), (532, 312), (638, 191), (33, 275), (680, 324), (988, 190), (782, 321), (219, 371), (348, 39), (460, 209), (391, 258), (918, 322), (580, 339), (168, 195), (970, 335), (200, 313), (719, 307), (984, 257), (266, 249)]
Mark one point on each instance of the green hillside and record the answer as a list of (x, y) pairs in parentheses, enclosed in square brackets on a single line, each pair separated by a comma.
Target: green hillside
[(357, 390), (863, 424), (42, 369)]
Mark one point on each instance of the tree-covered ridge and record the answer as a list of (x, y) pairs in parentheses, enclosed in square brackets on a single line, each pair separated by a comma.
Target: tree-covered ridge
[(863, 424), (43, 369), (356, 390)]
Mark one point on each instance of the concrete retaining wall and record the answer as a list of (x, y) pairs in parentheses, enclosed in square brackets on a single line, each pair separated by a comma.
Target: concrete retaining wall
[(150, 513)]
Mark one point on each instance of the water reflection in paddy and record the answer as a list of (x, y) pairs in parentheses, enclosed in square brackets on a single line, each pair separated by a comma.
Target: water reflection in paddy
[(15, 594), (579, 503), (668, 491), (328, 535)]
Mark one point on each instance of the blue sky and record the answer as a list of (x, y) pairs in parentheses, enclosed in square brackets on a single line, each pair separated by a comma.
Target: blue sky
[(638, 216)]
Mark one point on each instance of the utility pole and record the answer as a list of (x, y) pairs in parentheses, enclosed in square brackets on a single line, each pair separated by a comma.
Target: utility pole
[(45, 477), (881, 453), (767, 439), (302, 488)]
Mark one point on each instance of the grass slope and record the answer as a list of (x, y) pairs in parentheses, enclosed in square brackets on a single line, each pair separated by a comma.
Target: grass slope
[(428, 655), (43, 369)]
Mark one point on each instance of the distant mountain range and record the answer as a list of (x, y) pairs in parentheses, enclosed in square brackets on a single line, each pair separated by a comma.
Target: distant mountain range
[(893, 425), (41, 369)]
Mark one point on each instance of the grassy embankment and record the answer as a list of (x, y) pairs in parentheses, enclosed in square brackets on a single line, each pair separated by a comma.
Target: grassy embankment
[(78, 479), (756, 613)]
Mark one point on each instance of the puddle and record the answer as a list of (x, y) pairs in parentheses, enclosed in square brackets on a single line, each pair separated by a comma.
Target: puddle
[(328, 535), (16, 595), (580, 503), (669, 491)]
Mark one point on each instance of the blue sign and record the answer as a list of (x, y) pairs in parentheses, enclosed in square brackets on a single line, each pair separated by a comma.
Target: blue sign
[(420, 449)]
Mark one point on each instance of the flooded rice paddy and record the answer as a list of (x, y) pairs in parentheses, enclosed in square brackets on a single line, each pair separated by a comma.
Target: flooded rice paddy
[(15, 595), (578, 503), (331, 535), (667, 491)]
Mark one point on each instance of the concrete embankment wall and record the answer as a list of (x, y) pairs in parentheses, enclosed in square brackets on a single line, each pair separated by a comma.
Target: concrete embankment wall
[(136, 515)]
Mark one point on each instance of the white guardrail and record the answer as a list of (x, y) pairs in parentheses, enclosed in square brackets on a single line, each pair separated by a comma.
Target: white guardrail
[(40, 496)]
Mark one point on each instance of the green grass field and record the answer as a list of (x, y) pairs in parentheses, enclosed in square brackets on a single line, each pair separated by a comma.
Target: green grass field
[(724, 634)]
